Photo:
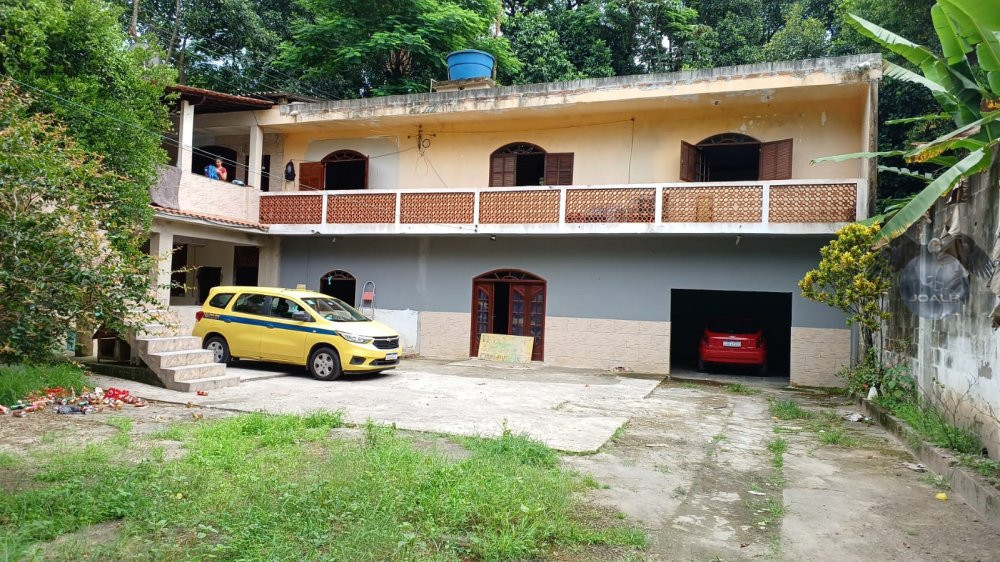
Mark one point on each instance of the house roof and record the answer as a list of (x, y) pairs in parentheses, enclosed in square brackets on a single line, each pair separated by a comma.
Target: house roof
[(285, 97), (216, 220), (210, 101), (812, 74)]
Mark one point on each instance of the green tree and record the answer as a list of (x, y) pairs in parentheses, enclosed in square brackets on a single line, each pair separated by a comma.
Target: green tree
[(57, 269), (800, 37), (381, 48), (850, 278), (78, 51), (538, 49)]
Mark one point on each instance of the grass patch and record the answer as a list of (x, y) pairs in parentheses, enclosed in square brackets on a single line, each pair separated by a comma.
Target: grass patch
[(121, 423), (740, 388), (935, 428), (264, 487), (939, 482), (987, 468), (8, 460), (18, 381), (690, 386), (777, 448), (788, 410)]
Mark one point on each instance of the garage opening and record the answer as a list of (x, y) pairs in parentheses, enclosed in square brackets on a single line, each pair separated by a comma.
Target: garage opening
[(691, 310), (339, 284)]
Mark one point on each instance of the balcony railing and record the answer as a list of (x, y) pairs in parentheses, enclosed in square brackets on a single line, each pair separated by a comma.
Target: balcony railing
[(195, 193), (787, 206)]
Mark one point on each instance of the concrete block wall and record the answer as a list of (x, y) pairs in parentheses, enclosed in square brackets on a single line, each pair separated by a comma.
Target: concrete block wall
[(199, 194)]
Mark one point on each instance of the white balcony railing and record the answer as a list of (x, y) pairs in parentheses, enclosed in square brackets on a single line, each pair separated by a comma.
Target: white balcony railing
[(787, 206), (195, 193)]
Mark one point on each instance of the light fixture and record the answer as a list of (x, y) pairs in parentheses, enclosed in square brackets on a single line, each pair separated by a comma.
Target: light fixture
[(738, 238), (493, 237)]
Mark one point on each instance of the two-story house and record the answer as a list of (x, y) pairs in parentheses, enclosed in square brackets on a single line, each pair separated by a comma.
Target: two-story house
[(607, 218)]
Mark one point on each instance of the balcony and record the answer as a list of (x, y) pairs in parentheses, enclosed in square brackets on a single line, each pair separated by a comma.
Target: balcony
[(195, 193), (774, 207)]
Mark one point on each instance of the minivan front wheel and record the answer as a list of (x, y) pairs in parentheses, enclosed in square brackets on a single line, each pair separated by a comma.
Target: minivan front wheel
[(219, 348), (324, 364)]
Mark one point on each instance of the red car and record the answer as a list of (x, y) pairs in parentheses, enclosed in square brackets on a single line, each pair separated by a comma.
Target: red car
[(733, 342)]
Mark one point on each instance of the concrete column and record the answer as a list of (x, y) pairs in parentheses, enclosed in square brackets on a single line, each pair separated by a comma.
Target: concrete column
[(185, 135), (270, 260), (256, 154), (161, 245)]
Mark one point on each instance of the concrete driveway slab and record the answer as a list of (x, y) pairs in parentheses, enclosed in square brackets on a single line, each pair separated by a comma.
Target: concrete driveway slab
[(551, 405)]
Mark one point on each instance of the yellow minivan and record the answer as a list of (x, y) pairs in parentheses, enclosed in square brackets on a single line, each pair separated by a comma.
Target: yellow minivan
[(298, 327)]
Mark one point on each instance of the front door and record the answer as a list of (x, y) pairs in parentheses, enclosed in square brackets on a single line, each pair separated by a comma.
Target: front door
[(509, 302)]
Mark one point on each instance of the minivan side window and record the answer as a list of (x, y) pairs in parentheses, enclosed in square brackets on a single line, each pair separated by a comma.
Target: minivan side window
[(284, 308), (250, 303), (221, 300)]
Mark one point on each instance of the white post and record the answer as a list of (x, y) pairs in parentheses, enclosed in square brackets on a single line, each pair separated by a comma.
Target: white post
[(256, 155), (562, 205), (161, 246), (658, 205), (399, 209), (765, 203), (185, 137)]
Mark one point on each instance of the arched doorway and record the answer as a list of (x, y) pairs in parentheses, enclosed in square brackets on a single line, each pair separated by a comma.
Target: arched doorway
[(345, 169), (206, 155), (519, 163), (339, 284), (509, 301)]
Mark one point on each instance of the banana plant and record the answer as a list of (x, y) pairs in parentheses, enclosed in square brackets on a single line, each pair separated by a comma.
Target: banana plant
[(967, 90)]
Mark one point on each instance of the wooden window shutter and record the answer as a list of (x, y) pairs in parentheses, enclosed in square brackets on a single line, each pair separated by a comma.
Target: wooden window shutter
[(689, 162), (559, 168), (776, 160), (503, 170), (311, 175)]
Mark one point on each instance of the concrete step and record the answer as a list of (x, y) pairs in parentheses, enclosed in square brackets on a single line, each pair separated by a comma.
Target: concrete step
[(150, 346), (191, 372), (154, 331), (168, 359), (209, 383)]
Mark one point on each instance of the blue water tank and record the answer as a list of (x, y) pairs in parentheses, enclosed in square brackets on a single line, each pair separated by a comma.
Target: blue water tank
[(469, 63)]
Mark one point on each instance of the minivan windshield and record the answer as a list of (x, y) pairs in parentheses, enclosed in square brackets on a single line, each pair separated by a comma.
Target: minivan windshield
[(334, 310)]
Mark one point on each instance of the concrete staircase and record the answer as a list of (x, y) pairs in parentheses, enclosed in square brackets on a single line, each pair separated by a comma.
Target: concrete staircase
[(180, 362)]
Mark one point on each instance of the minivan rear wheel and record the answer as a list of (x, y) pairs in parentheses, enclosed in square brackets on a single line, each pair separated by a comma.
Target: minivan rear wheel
[(219, 348), (324, 364)]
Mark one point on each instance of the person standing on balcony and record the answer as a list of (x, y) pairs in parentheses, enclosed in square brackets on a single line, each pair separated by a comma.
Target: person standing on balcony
[(220, 170), (212, 171)]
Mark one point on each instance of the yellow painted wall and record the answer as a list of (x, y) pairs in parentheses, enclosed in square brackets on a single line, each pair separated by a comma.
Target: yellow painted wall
[(608, 147)]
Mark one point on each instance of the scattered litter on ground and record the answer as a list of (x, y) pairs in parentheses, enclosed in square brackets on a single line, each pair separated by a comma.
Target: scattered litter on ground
[(202, 393), (68, 402), (872, 393), (855, 417), (916, 467), (942, 496), (657, 445), (756, 493)]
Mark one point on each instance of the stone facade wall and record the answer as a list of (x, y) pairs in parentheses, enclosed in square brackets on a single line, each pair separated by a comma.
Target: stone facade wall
[(445, 334), (818, 354), (596, 343)]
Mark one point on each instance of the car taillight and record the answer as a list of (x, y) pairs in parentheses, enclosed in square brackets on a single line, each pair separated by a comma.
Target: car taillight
[(198, 316)]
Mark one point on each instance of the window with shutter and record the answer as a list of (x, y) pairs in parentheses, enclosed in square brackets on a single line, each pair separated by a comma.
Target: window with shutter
[(559, 168), (503, 170), (311, 176), (689, 162), (776, 160), (518, 163)]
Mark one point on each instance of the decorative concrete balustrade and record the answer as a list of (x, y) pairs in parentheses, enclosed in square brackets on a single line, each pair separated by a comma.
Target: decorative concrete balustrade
[(778, 207)]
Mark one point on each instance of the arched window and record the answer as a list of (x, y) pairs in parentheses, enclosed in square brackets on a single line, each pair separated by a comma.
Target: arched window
[(736, 157), (509, 301), (339, 170), (523, 163), (339, 284)]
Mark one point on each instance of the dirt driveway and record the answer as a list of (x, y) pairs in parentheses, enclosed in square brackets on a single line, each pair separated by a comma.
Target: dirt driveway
[(711, 472)]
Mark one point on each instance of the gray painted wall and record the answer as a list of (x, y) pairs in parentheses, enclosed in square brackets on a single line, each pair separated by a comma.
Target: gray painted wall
[(620, 277)]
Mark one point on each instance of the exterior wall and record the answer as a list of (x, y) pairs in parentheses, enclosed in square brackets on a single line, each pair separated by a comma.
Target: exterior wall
[(213, 197), (818, 354), (956, 360), (608, 298), (609, 148)]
